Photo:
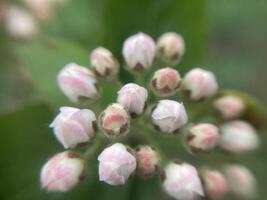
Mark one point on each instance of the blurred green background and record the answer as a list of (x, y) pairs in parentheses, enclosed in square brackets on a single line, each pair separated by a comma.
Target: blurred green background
[(227, 37)]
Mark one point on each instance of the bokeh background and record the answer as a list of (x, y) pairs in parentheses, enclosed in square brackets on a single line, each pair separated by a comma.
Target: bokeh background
[(227, 37)]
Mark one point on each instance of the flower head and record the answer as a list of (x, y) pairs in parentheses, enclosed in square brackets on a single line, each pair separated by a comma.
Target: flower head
[(78, 83), (74, 126), (169, 116), (116, 164), (62, 172), (139, 51), (133, 98)]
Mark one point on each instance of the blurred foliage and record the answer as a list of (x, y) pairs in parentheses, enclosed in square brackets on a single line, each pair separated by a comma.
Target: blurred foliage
[(29, 94)]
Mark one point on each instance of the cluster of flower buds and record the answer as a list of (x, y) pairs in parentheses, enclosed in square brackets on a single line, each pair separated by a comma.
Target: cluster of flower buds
[(22, 21), (118, 162)]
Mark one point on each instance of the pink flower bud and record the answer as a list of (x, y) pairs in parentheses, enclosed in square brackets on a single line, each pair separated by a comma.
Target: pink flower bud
[(139, 51), (171, 47), (114, 120), (133, 98), (199, 84), (103, 63), (241, 181), (78, 83), (147, 160), (214, 184), (169, 116), (238, 137), (116, 164), (202, 137), (62, 172), (229, 106), (165, 82), (74, 126), (182, 182), (19, 23)]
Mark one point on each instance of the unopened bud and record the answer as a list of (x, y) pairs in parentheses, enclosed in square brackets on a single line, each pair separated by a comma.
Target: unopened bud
[(78, 83), (170, 48), (229, 106), (147, 160), (116, 164), (202, 137), (74, 126), (214, 183), (241, 181), (139, 51), (169, 116), (103, 63), (133, 98), (199, 84), (114, 120), (182, 182), (238, 137), (62, 172), (165, 82), (19, 23)]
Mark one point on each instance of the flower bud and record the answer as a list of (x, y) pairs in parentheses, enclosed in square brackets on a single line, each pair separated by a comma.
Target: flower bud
[(214, 183), (241, 181), (229, 106), (147, 160), (103, 63), (202, 137), (78, 83), (114, 120), (182, 182), (165, 82), (62, 172), (199, 84), (19, 23), (139, 51), (116, 164), (74, 126), (170, 48), (133, 98), (169, 116), (238, 137)]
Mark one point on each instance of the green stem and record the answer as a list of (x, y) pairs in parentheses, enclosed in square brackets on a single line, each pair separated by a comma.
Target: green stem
[(92, 150)]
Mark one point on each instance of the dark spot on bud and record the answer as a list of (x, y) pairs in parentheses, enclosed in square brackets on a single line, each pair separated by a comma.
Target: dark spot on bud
[(157, 127), (153, 148), (95, 127), (96, 72), (72, 155), (133, 115), (166, 90), (107, 71), (124, 128), (83, 144), (110, 133), (177, 161), (175, 56), (138, 149), (154, 83), (82, 177), (195, 150), (130, 150), (82, 99), (162, 175), (97, 87), (145, 106), (190, 137), (187, 93), (176, 131), (138, 67), (161, 50)]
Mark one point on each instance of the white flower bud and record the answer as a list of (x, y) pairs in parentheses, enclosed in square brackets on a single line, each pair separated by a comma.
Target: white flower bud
[(202, 137), (182, 182), (103, 63), (229, 106), (62, 172), (238, 137), (148, 161), (114, 120), (19, 23), (133, 98), (241, 181), (78, 83), (74, 126), (170, 48), (116, 164), (169, 116), (139, 51), (165, 82), (214, 183), (199, 84)]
